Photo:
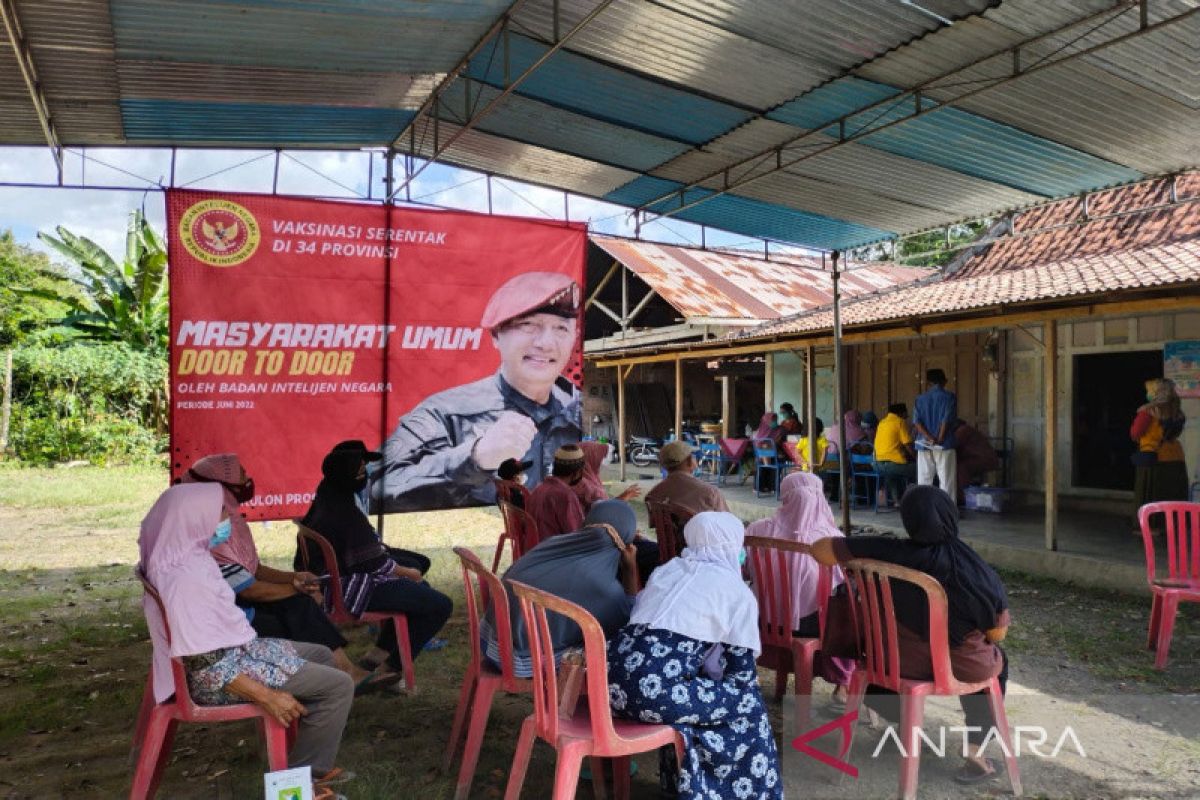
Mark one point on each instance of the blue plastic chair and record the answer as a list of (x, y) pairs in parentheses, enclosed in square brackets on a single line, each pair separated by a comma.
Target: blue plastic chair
[(766, 457), (863, 474)]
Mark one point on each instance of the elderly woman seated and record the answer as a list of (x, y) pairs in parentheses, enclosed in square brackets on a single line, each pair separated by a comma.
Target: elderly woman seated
[(224, 659)]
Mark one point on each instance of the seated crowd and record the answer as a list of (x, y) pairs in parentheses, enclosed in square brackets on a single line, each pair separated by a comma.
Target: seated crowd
[(683, 636)]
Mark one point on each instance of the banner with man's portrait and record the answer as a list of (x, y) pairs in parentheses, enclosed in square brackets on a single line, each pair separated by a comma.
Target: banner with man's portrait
[(449, 341)]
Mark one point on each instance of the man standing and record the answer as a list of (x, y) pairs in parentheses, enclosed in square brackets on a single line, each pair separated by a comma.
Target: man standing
[(554, 505), (680, 486), (933, 416), (895, 459), (444, 452)]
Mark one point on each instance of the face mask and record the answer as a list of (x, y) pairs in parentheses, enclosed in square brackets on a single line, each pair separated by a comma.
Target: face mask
[(243, 492), (742, 558), (522, 478), (221, 534)]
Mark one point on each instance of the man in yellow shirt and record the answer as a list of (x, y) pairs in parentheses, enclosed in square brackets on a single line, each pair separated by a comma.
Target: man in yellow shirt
[(895, 457)]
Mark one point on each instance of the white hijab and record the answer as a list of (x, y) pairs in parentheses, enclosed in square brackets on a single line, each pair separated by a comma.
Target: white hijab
[(701, 593)]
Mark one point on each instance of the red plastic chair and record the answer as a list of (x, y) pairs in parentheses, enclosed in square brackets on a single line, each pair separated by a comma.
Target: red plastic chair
[(668, 521), (771, 563), (520, 531), (589, 730), (874, 613), (342, 616), (505, 492), (482, 680), (1183, 570), (155, 729)]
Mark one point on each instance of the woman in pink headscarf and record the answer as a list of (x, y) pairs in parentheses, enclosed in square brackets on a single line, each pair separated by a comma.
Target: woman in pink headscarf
[(278, 604), (804, 516), (224, 659), (590, 488)]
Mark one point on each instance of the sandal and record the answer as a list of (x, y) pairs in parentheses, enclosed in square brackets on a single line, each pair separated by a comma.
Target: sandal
[(970, 773), (435, 644), (375, 681)]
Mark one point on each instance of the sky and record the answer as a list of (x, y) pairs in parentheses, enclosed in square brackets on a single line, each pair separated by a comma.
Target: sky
[(101, 215)]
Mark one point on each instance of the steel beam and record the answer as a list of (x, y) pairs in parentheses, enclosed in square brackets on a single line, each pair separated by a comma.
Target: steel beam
[(817, 148), (509, 87), (33, 84)]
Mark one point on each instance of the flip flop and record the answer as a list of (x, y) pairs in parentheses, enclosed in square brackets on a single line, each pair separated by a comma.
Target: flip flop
[(374, 681), (334, 777), (435, 644), (970, 773)]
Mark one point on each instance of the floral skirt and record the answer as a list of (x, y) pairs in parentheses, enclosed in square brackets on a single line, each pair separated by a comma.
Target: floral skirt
[(656, 676)]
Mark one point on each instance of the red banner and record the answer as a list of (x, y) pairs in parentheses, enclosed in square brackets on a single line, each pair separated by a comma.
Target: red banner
[(450, 340)]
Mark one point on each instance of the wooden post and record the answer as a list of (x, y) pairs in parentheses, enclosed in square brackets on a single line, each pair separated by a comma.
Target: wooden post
[(679, 399), (726, 405), (6, 412), (769, 383), (621, 373), (810, 400), (1050, 379)]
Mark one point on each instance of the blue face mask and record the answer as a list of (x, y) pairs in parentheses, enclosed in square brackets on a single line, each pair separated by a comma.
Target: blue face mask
[(221, 534), (742, 558)]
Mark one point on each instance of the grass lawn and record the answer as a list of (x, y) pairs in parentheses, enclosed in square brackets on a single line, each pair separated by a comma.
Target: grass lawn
[(74, 658)]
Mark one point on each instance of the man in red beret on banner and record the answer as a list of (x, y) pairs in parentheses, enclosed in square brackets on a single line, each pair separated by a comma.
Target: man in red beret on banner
[(445, 452)]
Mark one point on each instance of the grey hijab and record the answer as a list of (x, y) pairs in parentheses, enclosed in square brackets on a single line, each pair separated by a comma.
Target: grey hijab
[(580, 567)]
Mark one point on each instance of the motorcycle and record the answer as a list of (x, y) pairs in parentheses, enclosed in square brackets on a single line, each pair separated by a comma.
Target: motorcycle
[(642, 450)]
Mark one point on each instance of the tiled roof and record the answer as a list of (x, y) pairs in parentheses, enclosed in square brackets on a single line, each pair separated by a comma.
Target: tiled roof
[(1138, 249), (725, 285)]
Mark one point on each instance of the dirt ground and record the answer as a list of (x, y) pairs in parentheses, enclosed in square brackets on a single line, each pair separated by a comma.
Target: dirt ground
[(75, 651)]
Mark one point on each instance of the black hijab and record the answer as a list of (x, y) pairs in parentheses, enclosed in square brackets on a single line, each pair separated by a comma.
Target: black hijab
[(335, 515), (974, 592)]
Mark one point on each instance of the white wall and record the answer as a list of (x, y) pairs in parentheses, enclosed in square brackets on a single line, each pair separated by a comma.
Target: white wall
[(788, 383)]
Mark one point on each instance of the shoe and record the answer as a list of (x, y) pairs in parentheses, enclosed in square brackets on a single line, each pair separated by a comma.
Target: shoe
[(970, 773), (375, 681)]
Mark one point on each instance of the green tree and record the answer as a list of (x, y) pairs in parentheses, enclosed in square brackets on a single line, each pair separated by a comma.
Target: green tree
[(24, 268), (122, 301)]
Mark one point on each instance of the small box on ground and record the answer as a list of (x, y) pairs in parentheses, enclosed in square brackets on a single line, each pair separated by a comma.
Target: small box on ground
[(991, 499)]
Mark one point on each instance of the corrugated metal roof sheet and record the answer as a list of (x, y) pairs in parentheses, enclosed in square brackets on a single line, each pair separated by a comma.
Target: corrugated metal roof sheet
[(709, 284)]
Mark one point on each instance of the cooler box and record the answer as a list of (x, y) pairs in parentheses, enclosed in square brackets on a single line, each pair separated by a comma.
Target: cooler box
[(991, 499)]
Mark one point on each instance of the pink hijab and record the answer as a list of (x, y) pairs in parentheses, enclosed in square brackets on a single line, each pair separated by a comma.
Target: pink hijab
[(175, 559), (226, 469), (765, 425), (804, 516), (590, 488), (854, 429)]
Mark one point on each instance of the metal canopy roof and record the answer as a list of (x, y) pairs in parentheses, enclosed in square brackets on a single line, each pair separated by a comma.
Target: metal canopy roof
[(827, 123)]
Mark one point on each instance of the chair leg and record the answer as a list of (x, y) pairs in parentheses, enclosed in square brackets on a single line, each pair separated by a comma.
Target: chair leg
[(470, 682), (1155, 621), (516, 778), (804, 682), (143, 717), (912, 714), (276, 737), (481, 710), (1000, 720), (781, 682), (156, 749), (566, 773), (621, 778), (1170, 605), (854, 703), (404, 644), (499, 552)]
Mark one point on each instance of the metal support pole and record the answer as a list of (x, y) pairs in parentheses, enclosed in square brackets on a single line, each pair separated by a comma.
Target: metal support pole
[(489, 192), (810, 400), (679, 399), (389, 178), (726, 404), (566, 207), (1050, 381), (621, 372), (275, 173), (624, 300), (839, 383)]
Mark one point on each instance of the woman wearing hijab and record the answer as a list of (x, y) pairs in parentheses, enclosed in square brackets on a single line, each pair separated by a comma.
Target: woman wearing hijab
[(686, 659), (224, 659), (595, 567), (855, 433), (804, 516), (373, 577), (278, 604), (978, 617), (1159, 469)]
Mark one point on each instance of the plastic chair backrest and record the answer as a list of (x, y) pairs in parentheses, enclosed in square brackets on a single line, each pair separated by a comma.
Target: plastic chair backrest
[(771, 562), (546, 707), (484, 589), (668, 520), (182, 697), (306, 536), (506, 489), (521, 527), (862, 462), (1183, 539), (875, 617), (765, 452)]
